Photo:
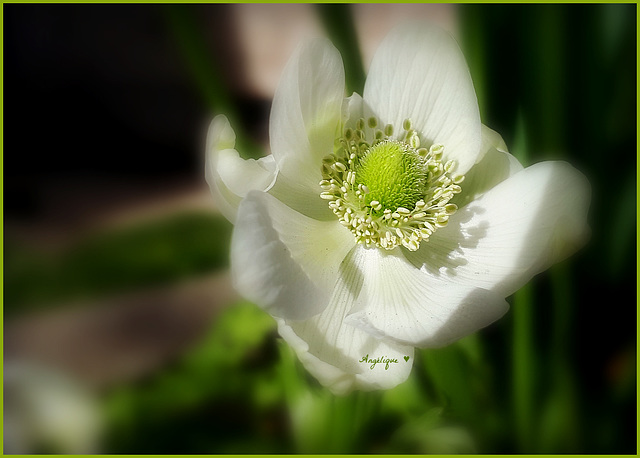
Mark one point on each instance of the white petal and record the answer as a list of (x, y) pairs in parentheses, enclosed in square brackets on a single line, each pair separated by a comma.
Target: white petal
[(333, 351), (491, 140), (302, 199), (306, 111), (284, 261), (242, 176), (512, 232), (402, 302), (495, 166), (220, 135), (230, 178), (305, 199), (352, 110), (420, 73)]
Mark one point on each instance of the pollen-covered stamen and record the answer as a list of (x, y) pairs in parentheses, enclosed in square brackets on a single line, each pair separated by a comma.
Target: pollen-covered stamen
[(389, 191)]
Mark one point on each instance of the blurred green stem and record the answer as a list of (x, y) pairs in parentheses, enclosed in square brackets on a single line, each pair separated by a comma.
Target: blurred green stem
[(544, 60), (563, 309), (206, 72), (523, 356), (561, 433), (338, 22), (623, 227), (523, 366), (475, 50), (547, 54), (449, 371)]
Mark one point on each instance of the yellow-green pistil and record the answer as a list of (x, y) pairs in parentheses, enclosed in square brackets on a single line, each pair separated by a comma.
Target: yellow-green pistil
[(393, 173), (388, 191)]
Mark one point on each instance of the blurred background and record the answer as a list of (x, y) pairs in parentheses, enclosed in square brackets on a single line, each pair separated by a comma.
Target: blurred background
[(122, 333)]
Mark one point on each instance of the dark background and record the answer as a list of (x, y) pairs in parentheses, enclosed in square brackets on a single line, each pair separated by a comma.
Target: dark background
[(103, 94)]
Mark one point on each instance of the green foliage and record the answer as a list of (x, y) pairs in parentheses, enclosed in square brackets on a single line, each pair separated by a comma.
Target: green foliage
[(206, 73), (554, 90), (147, 254), (338, 22), (221, 397), (241, 390)]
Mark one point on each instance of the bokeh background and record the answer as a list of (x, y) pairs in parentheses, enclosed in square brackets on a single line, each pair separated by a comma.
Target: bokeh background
[(122, 333)]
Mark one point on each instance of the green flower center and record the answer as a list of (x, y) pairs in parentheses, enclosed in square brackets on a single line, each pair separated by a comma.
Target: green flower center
[(394, 175), (388, 191)]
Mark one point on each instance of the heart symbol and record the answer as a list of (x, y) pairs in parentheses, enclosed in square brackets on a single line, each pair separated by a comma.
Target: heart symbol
[(406, 358)]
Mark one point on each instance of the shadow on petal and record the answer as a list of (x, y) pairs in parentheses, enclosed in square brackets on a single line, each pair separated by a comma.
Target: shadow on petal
[(477, 310), (517, 229), (332, 350), (445, 250)]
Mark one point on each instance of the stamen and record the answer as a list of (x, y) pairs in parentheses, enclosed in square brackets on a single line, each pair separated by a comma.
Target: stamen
[(417, 189)]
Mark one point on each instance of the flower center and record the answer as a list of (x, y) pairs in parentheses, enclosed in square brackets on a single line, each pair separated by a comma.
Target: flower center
[(388, 191), (393, 173)]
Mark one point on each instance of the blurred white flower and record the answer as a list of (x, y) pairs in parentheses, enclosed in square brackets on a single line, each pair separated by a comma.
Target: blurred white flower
[(389, 221), (46, 411)]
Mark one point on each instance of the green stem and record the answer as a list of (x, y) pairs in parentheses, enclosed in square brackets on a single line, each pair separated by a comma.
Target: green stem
[(206, 72), (524, 367), (475, 49), (523, 356), (338, 22)]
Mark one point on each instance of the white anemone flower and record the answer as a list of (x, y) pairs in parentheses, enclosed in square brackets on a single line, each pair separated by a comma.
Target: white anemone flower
[(386, 221)]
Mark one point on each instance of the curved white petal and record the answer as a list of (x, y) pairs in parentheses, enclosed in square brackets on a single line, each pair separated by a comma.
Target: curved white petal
[(306, 111), (284, 261), (339, 355), (230, 177), (301, 199), (401, 302), (495, 166), (220, 134), (491, 140), (420, 73), (352, 110), (512, 232), (244, 175)]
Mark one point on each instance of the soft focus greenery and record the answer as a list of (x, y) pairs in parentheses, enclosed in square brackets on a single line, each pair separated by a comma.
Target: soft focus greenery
[(147, 254), (556, 375)]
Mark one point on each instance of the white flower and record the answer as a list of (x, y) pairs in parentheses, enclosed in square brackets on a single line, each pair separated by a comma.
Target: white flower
[(359, 235), (47, 409)]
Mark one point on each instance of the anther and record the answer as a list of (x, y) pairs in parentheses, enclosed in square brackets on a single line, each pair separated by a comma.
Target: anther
[(417, 207), (339, 166), (414, 141)]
